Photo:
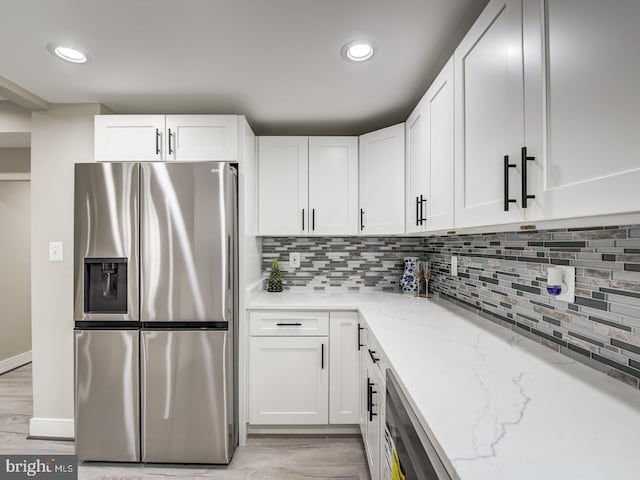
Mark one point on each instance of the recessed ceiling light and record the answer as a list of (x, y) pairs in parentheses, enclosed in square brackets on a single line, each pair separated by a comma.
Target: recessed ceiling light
[(67, 53), (357, 51)]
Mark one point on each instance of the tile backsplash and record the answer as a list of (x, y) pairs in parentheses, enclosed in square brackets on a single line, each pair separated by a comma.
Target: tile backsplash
[(501, 276), (341, 263)]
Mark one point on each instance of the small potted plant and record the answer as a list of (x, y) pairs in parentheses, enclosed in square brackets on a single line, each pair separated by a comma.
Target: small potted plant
[(275, 278)]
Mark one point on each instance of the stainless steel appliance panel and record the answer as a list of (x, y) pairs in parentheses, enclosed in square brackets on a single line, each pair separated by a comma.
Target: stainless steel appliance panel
[(107, 399), (186, 240), (186, 390), (106, 226)]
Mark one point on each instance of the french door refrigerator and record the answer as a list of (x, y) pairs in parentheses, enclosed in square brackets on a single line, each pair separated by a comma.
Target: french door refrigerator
[(156, 312)]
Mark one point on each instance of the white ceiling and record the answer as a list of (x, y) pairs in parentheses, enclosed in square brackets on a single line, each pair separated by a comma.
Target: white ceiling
[(276, 61)]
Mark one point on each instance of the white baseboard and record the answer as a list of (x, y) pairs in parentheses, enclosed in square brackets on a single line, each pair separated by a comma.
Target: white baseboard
[(15, 362), (303, 429), (51, 427)]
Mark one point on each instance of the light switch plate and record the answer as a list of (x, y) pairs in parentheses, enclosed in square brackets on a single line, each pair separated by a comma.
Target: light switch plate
[(55, 252), (454, 265), (294, 260)]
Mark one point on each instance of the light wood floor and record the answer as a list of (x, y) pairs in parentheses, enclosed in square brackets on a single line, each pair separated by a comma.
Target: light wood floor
[(262, 458)]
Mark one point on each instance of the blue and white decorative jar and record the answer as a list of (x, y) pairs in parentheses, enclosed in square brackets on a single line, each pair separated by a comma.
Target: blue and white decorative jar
[(409, 280)]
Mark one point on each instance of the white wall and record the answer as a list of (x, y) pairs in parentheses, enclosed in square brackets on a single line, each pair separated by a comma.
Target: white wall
[(15, 125), (15, 283), (61, 137)]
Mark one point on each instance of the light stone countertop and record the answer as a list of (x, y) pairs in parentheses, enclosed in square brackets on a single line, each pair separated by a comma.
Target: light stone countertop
[(499, 405)]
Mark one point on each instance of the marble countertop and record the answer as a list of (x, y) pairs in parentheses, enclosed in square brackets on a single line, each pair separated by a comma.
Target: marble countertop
[(499, 405)]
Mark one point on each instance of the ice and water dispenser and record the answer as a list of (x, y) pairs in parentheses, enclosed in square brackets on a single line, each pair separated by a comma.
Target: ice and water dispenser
[(105, 285)]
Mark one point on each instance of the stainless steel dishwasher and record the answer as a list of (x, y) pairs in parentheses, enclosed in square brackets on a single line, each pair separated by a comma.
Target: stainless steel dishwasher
[(407, 449)]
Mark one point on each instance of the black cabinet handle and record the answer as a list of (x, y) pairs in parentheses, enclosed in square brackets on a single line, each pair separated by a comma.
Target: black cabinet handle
[(373, 358), (417, 210), (293, 324), (157, 141), (423, 202), (169, 138), (507, 166), (322, 356), (525, 195), (359, 338), (362, 219), (313, 219), (303, 219), (371, 393)]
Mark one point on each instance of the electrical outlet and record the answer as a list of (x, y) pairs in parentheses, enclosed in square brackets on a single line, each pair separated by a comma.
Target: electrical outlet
[(55, 252), (294, 260), (454, 265)]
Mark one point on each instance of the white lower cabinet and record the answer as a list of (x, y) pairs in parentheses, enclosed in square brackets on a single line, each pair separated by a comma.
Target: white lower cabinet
[(344, 362), (303, 368), (289, 381), (372, 383)]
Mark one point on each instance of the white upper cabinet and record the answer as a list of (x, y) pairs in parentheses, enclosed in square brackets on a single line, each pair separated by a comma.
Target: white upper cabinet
[(439, 207), (489, 117), (283, 181), (416, 153), (382, 181), (193, 138), (129, 138), (333, 185), (190, 138), (583, 107)]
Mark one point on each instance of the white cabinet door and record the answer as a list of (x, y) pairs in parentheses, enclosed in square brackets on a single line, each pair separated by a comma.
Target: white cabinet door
[(382, 181), (375, 419), (439, 99), (129, 138), (416, 156), (489, 117), (590, 164), (289, 381), (283, 175), (192, 138), (344, 361), (333, 185)]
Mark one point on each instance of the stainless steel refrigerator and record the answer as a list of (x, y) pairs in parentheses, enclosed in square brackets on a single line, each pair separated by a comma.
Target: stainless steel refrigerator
[(156, 312)]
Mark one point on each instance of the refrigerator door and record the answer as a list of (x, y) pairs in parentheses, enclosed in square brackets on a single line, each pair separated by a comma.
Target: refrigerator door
[(186, 387), (187, 241), (106, 242), (107, 395)]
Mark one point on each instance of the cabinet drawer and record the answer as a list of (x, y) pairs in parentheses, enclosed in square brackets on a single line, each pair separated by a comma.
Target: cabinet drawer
[(288, 323)]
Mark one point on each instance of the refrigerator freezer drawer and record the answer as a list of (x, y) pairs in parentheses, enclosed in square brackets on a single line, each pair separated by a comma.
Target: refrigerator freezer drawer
[(187, 392), (107, 395)]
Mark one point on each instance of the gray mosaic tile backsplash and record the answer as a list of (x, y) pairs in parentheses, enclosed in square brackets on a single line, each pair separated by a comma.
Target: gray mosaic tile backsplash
[(341, 263), (502, 276)]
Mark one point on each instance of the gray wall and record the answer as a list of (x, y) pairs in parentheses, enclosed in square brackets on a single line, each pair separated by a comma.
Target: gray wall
[(15, 287), (502, 277)]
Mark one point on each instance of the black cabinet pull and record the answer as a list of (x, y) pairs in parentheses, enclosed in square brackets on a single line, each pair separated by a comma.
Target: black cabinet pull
[(169, 138), (292, 324), (359, 338), (507, 166), (303, 219), (525, 195), (373, 358), (362, 219), (157, 142), (322, 356), (371, 412), (368, 395), (423, 202), (313, 219), (417, 210)]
